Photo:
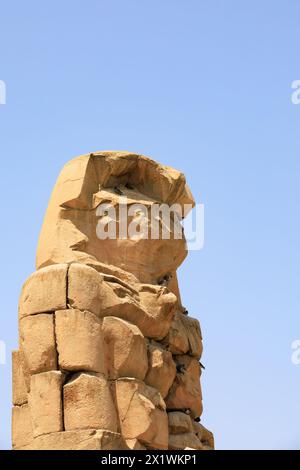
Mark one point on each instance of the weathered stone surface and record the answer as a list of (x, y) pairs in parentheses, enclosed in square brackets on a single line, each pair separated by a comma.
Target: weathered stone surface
[(184, 336), (162, 368), (177, 341), (44, 291), (37, 340), (26, 371), (197, 429), (45, 402), (87, 181), (88, 404), (86, 289), (194, 335), (179, 422), (185, 392), (22, 434), (204, 435), (134, 444), (160, 304), (126, 349), (183, 441), (142, 413), (18, 380), (79, 341), (151, 308), (87, 439)]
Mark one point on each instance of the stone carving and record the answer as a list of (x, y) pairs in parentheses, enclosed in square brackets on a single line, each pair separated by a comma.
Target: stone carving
[(108, 357)]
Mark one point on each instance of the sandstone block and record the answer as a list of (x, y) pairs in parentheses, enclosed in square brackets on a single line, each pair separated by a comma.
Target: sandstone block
[(79, 341), (44, 291), (45, 402), (37, 339), (126, 349), (86, 288), (177, 341), (142, 413), (185, 392), (88, 404), (86, 439), (151, 309), (179, 422), (159, 303), (18, 380), (22, 434), (194, 335), (183, 441), (26, 371), (104, 440), (206, 437), (162, 368), (197, 429), (134, 444), (184, 336)]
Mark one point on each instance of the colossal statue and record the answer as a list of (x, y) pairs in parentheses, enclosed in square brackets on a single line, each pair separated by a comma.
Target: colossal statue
[(108, 357)]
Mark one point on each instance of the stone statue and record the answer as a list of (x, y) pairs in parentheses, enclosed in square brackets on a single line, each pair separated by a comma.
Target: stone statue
[(108, 357)]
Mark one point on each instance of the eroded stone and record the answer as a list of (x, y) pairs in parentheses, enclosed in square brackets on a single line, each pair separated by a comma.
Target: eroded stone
[(185, 392), (183, 441), (22, 433), (184, 336), (179, 422), (87, 439), (44, 291), (86, 181), (126, 349), (88, 403), (37, 340), (46, 403), (162, 368), (134, 444), (151, 308), (206, 437), (19, 384), (142, 413), (79, 341)]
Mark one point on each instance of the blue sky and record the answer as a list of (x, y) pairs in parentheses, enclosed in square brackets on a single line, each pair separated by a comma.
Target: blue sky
[(204, 86)]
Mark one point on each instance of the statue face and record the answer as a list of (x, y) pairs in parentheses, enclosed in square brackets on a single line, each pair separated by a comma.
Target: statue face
[(136, 233)]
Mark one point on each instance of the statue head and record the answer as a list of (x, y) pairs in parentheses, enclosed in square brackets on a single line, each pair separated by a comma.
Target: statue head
[(118, 209)]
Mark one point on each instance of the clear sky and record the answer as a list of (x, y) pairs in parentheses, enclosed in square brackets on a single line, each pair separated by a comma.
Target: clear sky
[(201, 85)]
